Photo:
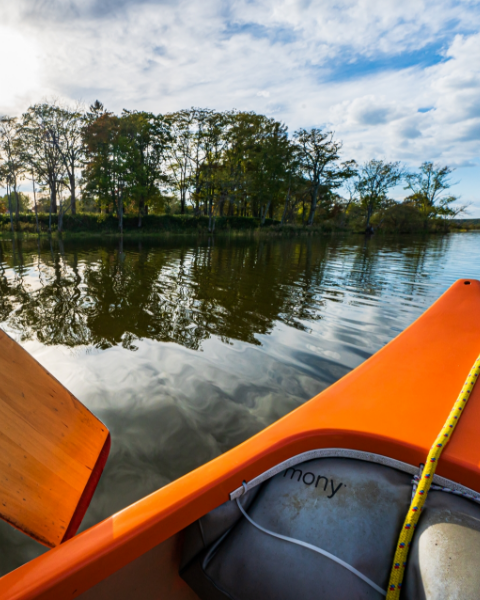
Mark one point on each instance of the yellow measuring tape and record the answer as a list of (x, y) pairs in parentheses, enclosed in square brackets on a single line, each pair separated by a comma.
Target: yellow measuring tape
[(406, 534)]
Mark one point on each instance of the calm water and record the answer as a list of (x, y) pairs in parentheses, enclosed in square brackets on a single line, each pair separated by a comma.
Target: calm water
[(186, 348)]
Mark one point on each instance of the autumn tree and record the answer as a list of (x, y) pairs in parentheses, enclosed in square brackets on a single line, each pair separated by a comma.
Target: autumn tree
[(429, 189), (270, 163), (213, 142), (376, 179), (251, 165), (11, 162), (68, 137), (179, 154), (104, 173), (125, 157), (144, 139), (236, 168), (319, 154), (40, 133), (23, 201)]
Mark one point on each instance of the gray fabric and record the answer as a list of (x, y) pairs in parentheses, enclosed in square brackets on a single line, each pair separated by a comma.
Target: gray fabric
[(350, 508), (201, 535)]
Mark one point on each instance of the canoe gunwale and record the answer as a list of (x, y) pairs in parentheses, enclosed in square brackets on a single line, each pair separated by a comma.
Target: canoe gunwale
[(353, 454)]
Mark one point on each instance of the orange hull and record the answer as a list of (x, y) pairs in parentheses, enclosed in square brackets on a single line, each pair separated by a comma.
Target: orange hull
[(384, 406)]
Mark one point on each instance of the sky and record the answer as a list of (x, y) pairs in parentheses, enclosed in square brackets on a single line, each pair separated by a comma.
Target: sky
[(394, 80)]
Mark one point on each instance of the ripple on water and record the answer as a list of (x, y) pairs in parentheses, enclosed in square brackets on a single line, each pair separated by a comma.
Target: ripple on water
[(186, 349)]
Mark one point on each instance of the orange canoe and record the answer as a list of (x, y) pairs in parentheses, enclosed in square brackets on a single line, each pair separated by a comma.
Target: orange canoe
[(393, 405)]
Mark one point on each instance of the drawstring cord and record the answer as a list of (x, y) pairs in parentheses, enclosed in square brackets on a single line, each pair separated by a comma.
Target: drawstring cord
[(310, 547)]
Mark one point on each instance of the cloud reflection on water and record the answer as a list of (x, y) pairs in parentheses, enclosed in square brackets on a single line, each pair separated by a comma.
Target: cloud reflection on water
[(185, 349)]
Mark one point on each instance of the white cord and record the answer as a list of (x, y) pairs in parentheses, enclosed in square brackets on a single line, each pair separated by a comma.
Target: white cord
[(416, 479), (315, 549), (439, 488)]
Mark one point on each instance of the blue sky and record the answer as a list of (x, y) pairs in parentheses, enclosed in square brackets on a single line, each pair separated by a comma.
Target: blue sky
[(394, 80)]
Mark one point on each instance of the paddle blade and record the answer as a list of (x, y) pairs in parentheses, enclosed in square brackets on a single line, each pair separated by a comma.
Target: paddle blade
[(52, 449)]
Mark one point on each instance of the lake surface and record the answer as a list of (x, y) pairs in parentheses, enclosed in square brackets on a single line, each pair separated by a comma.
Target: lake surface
[(185, 348)]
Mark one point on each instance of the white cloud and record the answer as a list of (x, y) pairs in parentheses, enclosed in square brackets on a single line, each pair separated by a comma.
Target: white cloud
[(19, 69), (361, 67)]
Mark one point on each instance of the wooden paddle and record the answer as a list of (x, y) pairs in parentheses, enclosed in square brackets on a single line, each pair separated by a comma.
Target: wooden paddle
[(52, 449)]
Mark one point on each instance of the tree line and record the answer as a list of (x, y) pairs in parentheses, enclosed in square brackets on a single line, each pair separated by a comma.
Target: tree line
[(202, 162)]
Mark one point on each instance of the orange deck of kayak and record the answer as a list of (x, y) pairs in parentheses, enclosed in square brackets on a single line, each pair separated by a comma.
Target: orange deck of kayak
[(384, 406)]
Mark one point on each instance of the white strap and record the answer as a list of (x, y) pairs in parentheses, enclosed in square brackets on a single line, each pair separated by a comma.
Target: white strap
[(315, 549)]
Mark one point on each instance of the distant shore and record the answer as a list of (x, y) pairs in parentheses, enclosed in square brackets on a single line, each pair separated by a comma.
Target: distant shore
[(88, 224)]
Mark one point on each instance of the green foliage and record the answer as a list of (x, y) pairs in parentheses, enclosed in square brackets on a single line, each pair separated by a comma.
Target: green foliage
[(11, 164), (97, 223), (429, 187), (203, 163), (24, 202), (124, 158), (40, 132), (319, 155), (399, 217), (375, 180)]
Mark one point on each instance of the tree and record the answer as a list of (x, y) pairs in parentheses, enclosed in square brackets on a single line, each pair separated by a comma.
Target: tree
[(251, 164), (23, 202), (104, 173), (236, 168), (69, 141), (125, 158), (351, 189), (144, 138), (270, 160), (203, 131), (179, 153), (210, 184), (97, 109), (428, 189), (375, 180), (10, 157), (319, 156), (40, 134), (204, 162)]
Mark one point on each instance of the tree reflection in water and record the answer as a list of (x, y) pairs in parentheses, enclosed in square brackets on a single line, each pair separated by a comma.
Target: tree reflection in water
[(185, 348)]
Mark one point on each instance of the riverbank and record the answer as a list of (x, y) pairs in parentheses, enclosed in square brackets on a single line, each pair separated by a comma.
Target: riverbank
[(465, 224), (94, 224), (89, 223)]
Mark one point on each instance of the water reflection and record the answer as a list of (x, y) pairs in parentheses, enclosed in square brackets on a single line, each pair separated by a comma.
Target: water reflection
[(115, 294), (186, 348)]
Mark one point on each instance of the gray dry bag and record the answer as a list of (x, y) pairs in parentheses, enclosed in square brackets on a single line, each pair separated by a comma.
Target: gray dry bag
[(348, 508)]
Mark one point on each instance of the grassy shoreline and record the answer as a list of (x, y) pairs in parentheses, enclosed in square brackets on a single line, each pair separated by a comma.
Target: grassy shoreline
[(104, 224), (96, 225)]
